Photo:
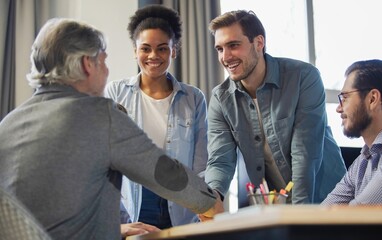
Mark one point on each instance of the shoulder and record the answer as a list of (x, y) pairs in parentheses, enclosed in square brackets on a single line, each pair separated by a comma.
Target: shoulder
[(191, 91), (288, 64), (121, 83), (116, 88), (287, 70), (224, 89), (112, 104), (89, 106)]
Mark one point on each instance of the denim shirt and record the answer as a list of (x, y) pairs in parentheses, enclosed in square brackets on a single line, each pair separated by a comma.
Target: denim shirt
[(186, 137), (292, 106)]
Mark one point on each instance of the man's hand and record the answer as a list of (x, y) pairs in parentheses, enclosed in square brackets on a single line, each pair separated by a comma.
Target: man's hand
[(130, 229), (218, 208)]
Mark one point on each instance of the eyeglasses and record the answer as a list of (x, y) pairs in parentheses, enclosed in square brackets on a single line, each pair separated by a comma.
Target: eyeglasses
[(341, 97)]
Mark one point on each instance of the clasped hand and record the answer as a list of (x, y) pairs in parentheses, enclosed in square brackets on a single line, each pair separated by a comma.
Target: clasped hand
[(216, 209)]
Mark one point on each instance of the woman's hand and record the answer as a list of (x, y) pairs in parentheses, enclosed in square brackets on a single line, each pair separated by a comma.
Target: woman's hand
[(130, 229)]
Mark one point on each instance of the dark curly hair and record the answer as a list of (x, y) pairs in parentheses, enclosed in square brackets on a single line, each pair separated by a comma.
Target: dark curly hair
[(156, 17)]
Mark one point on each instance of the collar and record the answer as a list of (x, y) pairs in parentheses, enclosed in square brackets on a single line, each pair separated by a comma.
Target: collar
[(272, 75), (376, 147), (54, 87), (177, 87)]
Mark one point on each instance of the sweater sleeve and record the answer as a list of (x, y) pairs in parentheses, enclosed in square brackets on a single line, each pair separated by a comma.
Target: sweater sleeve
[(134, 155)]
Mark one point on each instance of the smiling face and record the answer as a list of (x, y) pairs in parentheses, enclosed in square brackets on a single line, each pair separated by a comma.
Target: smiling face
[(154, 52), (236, 53)]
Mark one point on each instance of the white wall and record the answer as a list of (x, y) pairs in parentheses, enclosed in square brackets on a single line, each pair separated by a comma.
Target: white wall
[(111, 17)]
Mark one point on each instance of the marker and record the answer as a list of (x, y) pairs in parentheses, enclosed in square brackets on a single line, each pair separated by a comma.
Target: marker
[(271, 197), (259, 196), (264, 193), (250, 188), (265, 186), (282, 196), (289, 186), (251, 194)]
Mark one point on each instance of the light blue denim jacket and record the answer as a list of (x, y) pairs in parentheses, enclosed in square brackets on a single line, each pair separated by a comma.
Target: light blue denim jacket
[(186, 137), (292, 105)]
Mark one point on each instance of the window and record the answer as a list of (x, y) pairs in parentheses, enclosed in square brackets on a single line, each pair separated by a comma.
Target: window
[(345, 31), (284, 22)]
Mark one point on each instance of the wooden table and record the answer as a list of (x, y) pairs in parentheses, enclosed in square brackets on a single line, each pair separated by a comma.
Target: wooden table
[(283, 222)]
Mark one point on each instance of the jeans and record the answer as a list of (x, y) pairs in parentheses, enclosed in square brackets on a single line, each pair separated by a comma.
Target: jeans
[(154, 210)]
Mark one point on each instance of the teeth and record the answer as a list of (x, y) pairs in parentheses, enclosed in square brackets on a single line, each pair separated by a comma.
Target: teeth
[(233, 65), (154, 64)]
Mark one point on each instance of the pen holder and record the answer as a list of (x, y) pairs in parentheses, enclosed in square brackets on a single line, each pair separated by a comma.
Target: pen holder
[(267, 199)]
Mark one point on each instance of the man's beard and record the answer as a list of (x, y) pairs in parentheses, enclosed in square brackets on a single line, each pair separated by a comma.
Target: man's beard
[(247, 71), (361, 121)]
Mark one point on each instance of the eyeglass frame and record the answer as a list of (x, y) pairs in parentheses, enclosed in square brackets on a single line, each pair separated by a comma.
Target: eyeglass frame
[(341, 95)]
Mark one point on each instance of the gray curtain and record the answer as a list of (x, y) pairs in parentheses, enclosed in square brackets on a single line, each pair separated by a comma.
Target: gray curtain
[(7, 61), (197, 64), (20, 21)]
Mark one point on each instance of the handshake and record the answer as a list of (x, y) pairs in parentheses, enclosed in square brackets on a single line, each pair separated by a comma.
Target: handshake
[(216, 209)]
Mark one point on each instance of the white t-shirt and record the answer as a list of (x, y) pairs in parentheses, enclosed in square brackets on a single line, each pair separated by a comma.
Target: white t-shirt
[(155, 116)]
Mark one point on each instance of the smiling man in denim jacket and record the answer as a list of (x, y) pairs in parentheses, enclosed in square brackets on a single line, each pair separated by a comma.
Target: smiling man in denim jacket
[(271, 110)]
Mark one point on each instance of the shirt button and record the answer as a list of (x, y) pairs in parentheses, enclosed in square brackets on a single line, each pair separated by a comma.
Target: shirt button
[(168, 141), (252, 106), (258, 168), (258, 138)]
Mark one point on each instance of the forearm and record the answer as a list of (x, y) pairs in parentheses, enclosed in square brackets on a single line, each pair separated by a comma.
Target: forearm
[(343, 193), (200, 139), (222, 161), (173, 181), (221, 149), (134, 155)]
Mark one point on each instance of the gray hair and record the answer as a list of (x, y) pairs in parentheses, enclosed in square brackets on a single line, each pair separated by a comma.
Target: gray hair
[(58, 50)]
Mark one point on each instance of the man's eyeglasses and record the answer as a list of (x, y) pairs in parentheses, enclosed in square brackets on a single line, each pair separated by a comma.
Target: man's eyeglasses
[(341, 95)]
